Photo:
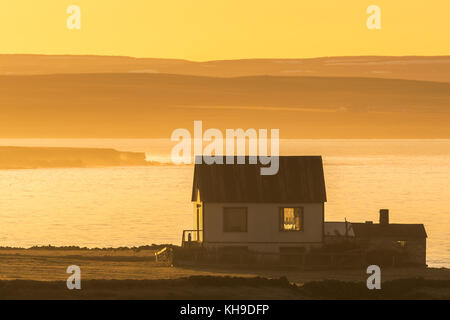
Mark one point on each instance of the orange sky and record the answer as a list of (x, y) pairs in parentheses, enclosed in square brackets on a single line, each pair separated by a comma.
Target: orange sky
[(232, 29)]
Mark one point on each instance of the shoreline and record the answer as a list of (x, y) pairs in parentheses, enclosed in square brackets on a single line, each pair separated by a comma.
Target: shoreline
[(109, 251), (136, 262)]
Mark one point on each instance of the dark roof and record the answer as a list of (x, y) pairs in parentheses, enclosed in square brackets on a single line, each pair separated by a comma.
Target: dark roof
[(300, 179), (399, 231)]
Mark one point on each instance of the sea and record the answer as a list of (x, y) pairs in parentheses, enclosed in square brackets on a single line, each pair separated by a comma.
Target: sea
[(134, 206)]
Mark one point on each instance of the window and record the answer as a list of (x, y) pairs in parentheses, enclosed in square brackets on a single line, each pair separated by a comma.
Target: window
[(291, 219), (402, 243), (234, 219)]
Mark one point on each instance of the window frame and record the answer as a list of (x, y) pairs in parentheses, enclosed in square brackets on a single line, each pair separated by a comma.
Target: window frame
[(223, 219), (281, 219)]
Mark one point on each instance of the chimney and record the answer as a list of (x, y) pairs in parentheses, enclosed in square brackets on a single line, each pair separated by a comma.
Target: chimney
[(384, 216)]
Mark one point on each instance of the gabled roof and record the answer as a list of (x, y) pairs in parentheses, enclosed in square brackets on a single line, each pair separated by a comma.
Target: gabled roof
[(399, 231), (300, 179)]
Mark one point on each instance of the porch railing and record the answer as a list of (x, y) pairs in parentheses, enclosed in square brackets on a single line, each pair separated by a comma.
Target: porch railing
[(190, 237)]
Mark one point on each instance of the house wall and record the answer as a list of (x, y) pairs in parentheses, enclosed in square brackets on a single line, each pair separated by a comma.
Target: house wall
[(417, 251), (263, 232)]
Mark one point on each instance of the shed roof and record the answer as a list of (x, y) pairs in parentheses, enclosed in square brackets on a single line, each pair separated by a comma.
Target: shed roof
[(332, 229), (369, 230), (300, 179)]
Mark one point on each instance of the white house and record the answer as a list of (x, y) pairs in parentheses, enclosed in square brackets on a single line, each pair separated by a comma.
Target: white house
[(236, 206)]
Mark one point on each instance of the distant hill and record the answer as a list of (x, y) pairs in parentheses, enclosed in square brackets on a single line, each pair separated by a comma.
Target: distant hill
[(408, 68), (153, 105), (35, 157)]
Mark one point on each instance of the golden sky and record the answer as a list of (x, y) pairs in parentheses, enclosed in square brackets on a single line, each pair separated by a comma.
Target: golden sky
[(226, 29)]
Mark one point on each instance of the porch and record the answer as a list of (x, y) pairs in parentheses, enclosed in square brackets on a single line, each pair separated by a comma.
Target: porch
[(192, 238)]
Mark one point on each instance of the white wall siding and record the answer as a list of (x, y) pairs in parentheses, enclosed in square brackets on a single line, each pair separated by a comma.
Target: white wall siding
[(263, 232)]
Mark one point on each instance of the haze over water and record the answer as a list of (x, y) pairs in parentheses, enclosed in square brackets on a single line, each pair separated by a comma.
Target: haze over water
[(131, 206)]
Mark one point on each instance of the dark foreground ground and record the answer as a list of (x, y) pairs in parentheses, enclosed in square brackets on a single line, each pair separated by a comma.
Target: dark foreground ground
[(212, 287), (133, 273)]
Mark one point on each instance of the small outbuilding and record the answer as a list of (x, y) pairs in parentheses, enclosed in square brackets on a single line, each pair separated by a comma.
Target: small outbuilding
[(406, 243), (381, 243)]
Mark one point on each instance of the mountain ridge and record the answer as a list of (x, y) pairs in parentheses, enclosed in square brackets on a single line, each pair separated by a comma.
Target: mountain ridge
[(153, 105), (424, 68)]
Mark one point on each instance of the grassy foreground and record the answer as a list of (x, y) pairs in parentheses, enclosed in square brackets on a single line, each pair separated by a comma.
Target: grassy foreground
[(210, 287), (40, 273)]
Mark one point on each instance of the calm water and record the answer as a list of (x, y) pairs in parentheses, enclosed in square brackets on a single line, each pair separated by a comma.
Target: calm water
[(143, 205)]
